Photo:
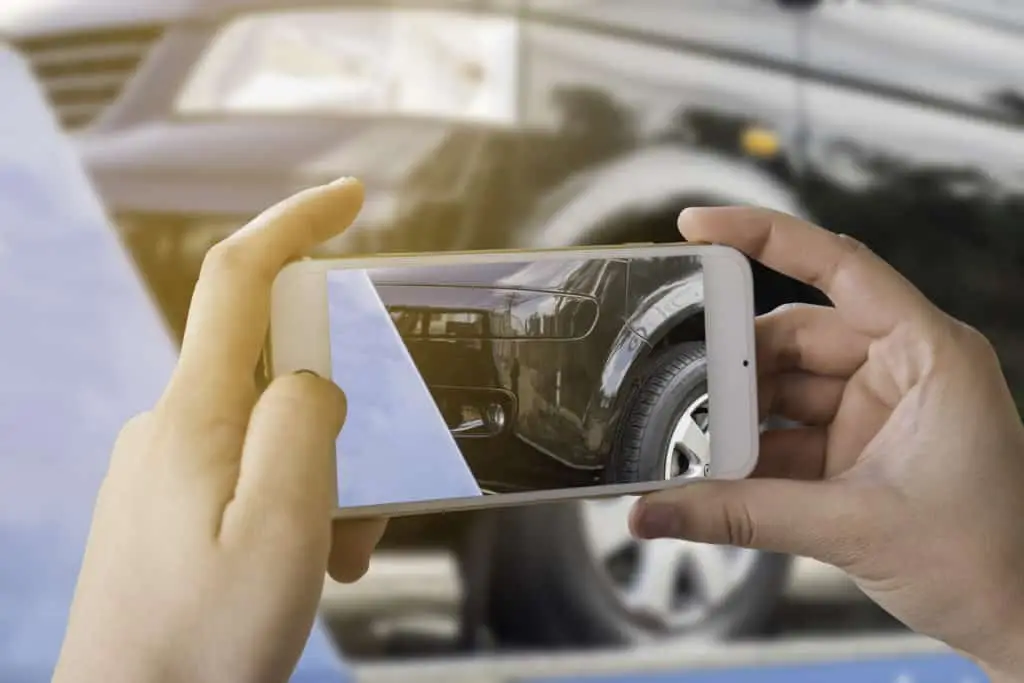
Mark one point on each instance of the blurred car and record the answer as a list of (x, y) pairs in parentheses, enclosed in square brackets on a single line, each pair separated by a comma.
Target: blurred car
[(544, 371), (561, 122)]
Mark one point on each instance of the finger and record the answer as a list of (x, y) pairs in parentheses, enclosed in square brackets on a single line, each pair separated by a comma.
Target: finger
[(822, 520), (871, 296), (802, 397), (227, 321), (795, 453), (287, 482), (809, 338), (352, 544), (859, 420)]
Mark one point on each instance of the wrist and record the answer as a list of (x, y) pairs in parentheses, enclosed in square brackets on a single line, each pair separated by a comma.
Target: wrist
[(1007, 666), (1001, 674), (102, 665)]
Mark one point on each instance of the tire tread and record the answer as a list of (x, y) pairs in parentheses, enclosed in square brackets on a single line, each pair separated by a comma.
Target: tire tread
[(642, 401)]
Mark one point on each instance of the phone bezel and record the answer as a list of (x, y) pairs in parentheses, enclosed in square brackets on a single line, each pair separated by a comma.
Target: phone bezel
[(298, 339)]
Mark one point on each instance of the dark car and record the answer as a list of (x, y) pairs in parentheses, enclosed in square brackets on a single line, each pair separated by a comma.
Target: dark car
[(556, 123), (544, 371)]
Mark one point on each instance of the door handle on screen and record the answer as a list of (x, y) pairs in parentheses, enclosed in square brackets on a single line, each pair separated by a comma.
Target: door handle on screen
[(468, 426), (491, 422)]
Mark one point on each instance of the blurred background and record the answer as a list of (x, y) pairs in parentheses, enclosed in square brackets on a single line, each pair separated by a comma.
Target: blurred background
[(539, 123)]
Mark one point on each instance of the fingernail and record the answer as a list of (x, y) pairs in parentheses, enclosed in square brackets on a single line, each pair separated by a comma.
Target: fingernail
[(306, 372), (655, 521), (688, 212)]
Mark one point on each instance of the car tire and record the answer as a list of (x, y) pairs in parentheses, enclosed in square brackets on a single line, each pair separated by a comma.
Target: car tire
[(569, 574), (672, 387)]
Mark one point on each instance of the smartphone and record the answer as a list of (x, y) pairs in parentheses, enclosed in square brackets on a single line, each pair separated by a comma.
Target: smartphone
[(484, 379)]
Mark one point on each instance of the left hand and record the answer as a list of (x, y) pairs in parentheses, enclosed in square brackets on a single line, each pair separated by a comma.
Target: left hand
[(213, 528)]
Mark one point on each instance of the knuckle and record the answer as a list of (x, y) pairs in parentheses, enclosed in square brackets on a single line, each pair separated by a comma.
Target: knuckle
[(139, 424), (973, 340), (233, 255), (792, 308), (226, 254), (849, 250), (852, 245), (293, 387), (303, 393), (738, 524), (135, 431), (295, 392), (948, 343)]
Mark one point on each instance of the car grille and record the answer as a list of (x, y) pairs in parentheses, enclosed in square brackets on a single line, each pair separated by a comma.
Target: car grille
[(84, 73)]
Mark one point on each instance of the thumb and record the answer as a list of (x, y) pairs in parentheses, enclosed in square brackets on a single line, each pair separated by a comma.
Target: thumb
[(812, 519)]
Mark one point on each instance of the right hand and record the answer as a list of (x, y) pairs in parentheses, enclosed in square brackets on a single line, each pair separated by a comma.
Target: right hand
[(909, 470)]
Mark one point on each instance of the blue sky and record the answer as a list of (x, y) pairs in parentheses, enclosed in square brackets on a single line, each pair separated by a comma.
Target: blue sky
[(395, 446)]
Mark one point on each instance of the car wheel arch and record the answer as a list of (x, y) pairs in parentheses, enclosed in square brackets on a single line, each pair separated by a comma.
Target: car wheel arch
[(605, 200)]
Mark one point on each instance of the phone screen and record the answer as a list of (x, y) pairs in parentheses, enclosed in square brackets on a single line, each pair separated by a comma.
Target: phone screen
[(492, 378)]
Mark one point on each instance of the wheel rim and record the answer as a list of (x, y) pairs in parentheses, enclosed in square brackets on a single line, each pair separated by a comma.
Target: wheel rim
[(667, 584), (689, 446)]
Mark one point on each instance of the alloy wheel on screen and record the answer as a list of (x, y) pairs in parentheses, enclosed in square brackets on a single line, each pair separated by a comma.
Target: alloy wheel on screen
[(689, 447)]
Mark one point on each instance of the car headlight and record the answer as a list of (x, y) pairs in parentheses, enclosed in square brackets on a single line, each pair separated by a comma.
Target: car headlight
[(428, 63)]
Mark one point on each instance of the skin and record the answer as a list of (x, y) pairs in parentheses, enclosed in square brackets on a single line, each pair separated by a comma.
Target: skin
[(212, 531), (908, 470), (213, 528)]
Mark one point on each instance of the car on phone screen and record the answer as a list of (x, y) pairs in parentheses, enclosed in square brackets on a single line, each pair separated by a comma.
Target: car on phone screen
[(548, 123), (545, 371)]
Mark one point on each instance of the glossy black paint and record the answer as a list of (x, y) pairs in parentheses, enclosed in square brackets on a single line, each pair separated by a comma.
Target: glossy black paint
[(914, 146), (552, 342)]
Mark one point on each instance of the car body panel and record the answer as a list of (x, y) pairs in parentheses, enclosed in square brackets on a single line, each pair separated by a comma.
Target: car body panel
[(908, 149), (662, 295), (554, 343), (539, 332)]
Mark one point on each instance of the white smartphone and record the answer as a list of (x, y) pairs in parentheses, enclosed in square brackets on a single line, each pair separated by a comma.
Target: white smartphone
[(483, 379)]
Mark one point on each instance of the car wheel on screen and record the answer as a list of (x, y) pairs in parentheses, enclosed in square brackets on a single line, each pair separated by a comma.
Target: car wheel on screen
[(663, 432), (572, 574)]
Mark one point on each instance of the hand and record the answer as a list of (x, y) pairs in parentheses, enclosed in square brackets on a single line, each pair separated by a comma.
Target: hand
[(212, 530), (909, 470)]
